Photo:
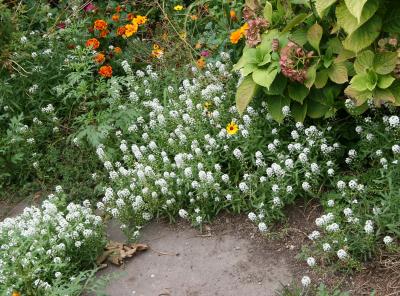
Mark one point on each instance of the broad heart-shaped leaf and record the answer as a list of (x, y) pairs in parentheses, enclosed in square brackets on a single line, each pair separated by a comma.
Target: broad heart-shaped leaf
[(266, 40), (311, 75), (321, 78), (299, 36), (360, 97), (384, 95), (266, 60), (395, 89), (364, 61), (297, 92), (322, 5), (267, 13), (364, 36), (361, 82), (299, 111), (355, 7), (249, 56), (248, 69), (344, 55), (314, 35), (265, 77), (278, 86), (385, 81), (338, 73), (275, 105), (316, 109), (385, 62), (349, 22), (245, 92), (297, 20)]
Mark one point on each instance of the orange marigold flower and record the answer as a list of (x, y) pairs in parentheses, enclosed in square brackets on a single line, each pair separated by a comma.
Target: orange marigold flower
[(105, 71), (232, 15), (104, 33), (194, 17), (93, 43), (115, 17), (130, 16), (140, 20), (118, 9), (244, 28), (201, 63), (130, 29), (121, 31), (157, 51), (236, 36), (99, 58), (16, 293), (100, 25), (117, 50)]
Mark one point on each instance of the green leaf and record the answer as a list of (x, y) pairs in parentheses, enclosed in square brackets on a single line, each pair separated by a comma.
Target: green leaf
[(278, 86), (299, 111), (266, 40), (248, 69), (358, 110), (350, 23), (321, 79), (275, 105), (395, 89), (298, 92), (316, 109), (385, 81), (245, 92), (338, 73), (265, 77), (355, 7), (344, 55), (361, 82), (322, 5), (384, 95), (297, 20), (252, 4), (267, 13), (311, 76), (360, 97), (385, 62), (364, 61), (314, 35), (299, 36), (364, 36), (266, 60)]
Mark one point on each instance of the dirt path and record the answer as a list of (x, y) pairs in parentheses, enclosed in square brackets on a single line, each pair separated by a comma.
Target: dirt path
[(226, 261)]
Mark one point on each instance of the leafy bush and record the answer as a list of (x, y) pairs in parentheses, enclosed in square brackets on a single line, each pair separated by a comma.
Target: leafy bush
[(313, 56)]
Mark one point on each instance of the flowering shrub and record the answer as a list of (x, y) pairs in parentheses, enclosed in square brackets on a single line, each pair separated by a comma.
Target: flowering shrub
[(47, 246)]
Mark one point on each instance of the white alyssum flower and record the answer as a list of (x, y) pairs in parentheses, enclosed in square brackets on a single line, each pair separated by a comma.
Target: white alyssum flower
[(305, 281)]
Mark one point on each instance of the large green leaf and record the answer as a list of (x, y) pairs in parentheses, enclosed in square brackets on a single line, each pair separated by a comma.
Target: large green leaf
[(362, 82), (245, 92), (265, 77), (385, 62), (266, 40), (350, 23), (297, 20), (298, 92), (299, 111), (360, 97), (385, 81), (364, 36), (299, 36), (338, 73), (267, 13), (355, 7), (395, 89), (311, 76), (314, 35), (248, 69), (364, 61), (275, 105), (322, 5), (316, 109), (321, 78), (278, 86), (384, 95)]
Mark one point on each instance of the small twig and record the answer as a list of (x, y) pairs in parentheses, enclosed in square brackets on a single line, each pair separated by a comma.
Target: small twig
[(164, 253)]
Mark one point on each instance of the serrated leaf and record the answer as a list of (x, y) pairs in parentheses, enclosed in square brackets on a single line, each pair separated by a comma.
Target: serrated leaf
[(267, 13), (265, 77), (364, 36), (245, 92), (364, 61), (299, 111), (297, 20), (321, 79), (275, 105), (338, 73), (322, 5), (385, 81), (385, 62), (355, 7), (311, 76), (314, 35), (298, 92), (349, 22), (360, 97)]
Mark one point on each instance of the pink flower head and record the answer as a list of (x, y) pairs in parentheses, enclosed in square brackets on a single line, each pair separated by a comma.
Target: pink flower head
[(205, 53), (89, 7), (61, 25)]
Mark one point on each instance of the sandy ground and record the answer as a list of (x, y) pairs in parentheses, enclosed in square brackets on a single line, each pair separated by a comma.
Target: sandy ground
[(182, 262)]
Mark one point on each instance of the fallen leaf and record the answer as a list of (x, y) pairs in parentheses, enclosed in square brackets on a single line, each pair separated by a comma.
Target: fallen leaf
[(116, 252)]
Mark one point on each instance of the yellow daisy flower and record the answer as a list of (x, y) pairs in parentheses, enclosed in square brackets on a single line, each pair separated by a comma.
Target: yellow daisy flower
[(232, 128), (178, 7)]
